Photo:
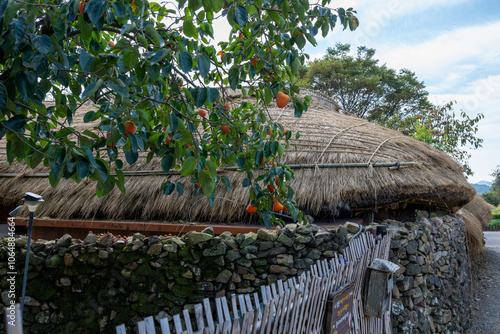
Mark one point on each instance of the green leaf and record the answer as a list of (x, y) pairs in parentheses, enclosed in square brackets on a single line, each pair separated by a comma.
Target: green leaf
[(131, 156), (89, 116), (201, 96), (241, 162), (274, 16), (281, 149), (120, 183), (168, 188), (86, 29), (194, 4), (159, 56), (119, 9), (274, 147), (207, 183), (266, 217), (93, 162), (174, 122), (20, 82), (91, 89), (300, 41), (62, 56), (180, 188), (85, 60), (16, 123), (203, 65), (226, 182), (35, 159), (11, 11), (154, 35), (58, 163), (83, 169), (130, 57), (295, 66), (42, 43), (241, 15), (299, 11), (268, 96), (95, 10), (186, 61), (188, 166), (258, 158), (212, 168), (207, 4), (188, 28), (102, 168), (167, 162), (234, 77), (213, 94), (17, 27), (119, 164), (310, 38)]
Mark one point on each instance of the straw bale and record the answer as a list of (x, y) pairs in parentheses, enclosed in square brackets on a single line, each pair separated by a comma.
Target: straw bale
[(473, 231), (326, 136), (480, 209)]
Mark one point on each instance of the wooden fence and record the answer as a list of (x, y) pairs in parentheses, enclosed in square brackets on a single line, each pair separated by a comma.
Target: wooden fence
[(295, 306)]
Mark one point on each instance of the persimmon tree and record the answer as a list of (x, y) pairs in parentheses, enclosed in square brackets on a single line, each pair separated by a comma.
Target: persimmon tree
[(150, 68)]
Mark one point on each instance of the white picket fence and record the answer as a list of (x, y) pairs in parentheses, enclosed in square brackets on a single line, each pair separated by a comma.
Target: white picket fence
[(295, 306)]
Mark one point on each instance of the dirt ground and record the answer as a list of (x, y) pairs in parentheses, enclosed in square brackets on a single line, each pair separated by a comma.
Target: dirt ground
[(486, 300)]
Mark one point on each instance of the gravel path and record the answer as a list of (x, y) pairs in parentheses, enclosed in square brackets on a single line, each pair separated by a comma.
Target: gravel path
[(486, 301)]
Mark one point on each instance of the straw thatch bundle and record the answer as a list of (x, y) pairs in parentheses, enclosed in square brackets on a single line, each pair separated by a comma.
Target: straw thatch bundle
[(473, 231), (326, 137), (480, 209)]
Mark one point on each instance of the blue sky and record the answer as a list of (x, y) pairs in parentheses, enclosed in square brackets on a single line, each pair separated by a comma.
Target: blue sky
[(453, 46)]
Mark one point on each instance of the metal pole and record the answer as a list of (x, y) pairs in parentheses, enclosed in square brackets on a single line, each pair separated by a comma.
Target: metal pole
[(25, 279), (390, 165)]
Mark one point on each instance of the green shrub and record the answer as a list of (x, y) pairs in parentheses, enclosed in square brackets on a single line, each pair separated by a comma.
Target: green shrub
[(495, 213), (494, 222)]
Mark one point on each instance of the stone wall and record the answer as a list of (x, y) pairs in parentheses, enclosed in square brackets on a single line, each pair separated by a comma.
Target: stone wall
[(92, 285), (432, 289)]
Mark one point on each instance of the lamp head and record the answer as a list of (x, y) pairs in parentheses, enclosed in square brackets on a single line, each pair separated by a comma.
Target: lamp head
[(32, 200)]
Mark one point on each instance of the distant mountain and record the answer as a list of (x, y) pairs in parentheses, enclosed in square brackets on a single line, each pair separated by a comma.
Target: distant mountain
[(482, 186)]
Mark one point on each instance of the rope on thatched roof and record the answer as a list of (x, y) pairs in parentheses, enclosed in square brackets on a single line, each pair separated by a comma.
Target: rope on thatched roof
[(331, 140), (325, 100), (382, 143)]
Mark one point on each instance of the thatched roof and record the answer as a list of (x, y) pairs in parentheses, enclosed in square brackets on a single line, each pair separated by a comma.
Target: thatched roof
[(480, 209), (326, 137), (473, 231)]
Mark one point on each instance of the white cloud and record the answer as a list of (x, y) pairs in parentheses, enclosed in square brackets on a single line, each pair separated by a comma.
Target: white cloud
[(481, 96), (450, 58)]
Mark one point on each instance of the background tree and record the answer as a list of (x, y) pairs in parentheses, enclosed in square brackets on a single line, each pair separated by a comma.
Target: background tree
[(396, 100), (150, 70), (493, 196)]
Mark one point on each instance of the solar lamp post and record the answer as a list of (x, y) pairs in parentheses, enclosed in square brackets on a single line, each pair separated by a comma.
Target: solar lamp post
[(32, 201)]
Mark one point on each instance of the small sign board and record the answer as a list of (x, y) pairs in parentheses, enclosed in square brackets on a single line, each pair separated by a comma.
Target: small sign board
[(339, 307)]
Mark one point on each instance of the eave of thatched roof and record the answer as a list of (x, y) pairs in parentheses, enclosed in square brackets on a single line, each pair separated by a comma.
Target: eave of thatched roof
[(326, 137), (480, 209)]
